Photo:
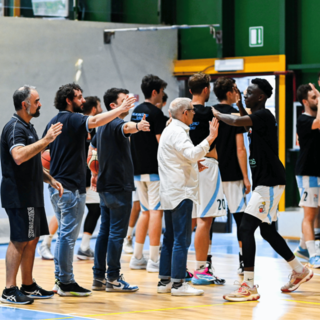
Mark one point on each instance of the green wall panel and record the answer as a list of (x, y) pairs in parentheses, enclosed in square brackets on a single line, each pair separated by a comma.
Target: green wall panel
[(98, 10), (140, 11)]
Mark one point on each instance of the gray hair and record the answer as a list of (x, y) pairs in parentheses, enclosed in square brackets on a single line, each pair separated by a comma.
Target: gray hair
[(178, 105), (22, 94)]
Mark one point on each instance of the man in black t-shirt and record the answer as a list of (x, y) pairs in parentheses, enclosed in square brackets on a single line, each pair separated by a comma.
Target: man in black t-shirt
[(68, 166), (232, 155), (144, 149), (22, 194), (115, 185), (268, 175), (308, 170)]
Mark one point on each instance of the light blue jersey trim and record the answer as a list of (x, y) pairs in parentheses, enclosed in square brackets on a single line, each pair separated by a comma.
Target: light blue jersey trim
[(157, 206), (299, 181), (313, 182), (143, 207), (154, 177), (137, 178), (213, 199), (16, 145), (271, 203)]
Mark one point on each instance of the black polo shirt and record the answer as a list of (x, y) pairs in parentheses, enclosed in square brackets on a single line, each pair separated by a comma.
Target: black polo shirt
[(114, 155), (90, 136), (267, 169), (309, 140), (21, 186), (68, 151), (227, 147), (199, 128), (144, 145)]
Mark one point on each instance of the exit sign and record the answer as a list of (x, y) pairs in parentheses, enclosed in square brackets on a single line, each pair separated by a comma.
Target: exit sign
[(256, 36)]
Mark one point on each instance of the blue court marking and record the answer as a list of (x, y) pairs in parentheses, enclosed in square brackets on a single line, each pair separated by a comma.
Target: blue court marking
[(271, 202), (25, 314), (213, 199)]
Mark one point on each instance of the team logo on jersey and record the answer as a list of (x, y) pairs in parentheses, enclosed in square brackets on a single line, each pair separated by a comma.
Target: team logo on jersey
[(138, 116), (262, 207), (315, 198), (252, 163), (193, 125)]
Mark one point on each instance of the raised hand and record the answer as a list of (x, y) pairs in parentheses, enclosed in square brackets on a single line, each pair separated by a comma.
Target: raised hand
[(144, 125), (127, 103), (53, 132), (316, 92), (214, 126)]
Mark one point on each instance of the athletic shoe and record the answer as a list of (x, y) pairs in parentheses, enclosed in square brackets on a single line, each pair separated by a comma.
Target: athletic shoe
[(36, 292), (302, 253), (85, 255), (138, 264), (211, 270), (189, 276), (244, 293), (205, 277), (127, 245), (317, 244), (120, 285), (314, 262), (295, 279), (164, 287), (56, 286), (185, 290), (153, 266), (72, 289), (44, 251), (14, 296), (241, 265), (99, 284)]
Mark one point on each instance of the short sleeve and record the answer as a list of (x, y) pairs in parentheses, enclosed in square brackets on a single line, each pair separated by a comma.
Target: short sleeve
[(240, 129), (117, 128), (304, 125), (16, 136), (80, 122), (94, 142)]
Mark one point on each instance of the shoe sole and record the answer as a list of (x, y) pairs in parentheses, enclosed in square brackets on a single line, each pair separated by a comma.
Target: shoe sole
[(127, 251), (49, 259), (40, 297), (98, 288), (153, 270), (121, 290), (80, 257), (254, 297), (138, 267), (186, 294), (164, 291), (305, 279), (297, 254), (12, 302), (73, 294)]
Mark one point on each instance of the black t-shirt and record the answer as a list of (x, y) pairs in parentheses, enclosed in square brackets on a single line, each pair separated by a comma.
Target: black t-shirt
[(114, 155), (309, 140), (199, 129), (21, 186), (227, 148), (267, 169), (90, 136), (144, 145), (67, 151)]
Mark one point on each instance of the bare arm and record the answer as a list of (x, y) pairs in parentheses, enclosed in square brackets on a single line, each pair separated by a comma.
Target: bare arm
[(106, 117), (231, 120), (158, 136), (47, 178), (242, 159), (133, 127), (242, 110), (21, 154), (316, 122)]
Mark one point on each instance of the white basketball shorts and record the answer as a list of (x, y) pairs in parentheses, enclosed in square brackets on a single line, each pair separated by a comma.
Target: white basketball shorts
[(135, 195), (234, 192), (211, 198), (309, 188), (92, 196), (149, 196), (264, 203)]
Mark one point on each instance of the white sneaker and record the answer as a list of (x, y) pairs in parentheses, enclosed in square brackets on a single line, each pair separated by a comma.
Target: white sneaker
[(186, 290), (55, 288), (317, 245), (45, 252), (164, 288), (127, 245), (153, 266), (138, 264)]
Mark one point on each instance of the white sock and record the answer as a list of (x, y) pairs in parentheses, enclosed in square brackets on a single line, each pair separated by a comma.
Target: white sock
[(85, 243), (296, 265), (47, 240), (200, 265), (138, 250), (302, 243), (248, 278), (130, 232), (311, 248), (154, 253), (209, 249), (240, 251)]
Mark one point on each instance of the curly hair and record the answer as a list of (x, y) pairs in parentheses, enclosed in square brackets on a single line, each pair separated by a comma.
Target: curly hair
[(264, 86), (198, 82), (64, 92), (223, 85)]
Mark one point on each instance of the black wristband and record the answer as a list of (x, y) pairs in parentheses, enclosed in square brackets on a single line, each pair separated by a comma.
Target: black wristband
[(137, 126)]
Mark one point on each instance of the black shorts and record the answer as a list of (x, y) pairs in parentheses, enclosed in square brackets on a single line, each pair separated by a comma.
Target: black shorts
[(26, 224)]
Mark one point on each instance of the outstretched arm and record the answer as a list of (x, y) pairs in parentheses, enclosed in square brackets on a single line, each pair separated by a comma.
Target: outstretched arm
[(235, 121)]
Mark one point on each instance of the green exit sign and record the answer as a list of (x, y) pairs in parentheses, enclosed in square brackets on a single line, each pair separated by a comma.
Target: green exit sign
[(256, 36)]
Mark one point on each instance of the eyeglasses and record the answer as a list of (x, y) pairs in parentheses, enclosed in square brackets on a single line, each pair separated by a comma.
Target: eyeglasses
[(190, 109)]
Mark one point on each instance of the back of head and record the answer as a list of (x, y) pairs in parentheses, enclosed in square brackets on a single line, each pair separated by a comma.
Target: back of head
[(20, 95), (264, 86), (178, 105), (90, 103), (151, 82), (164, 98), (302, 92), (64, 92), (111, 96), (198, 82), (223, 85)]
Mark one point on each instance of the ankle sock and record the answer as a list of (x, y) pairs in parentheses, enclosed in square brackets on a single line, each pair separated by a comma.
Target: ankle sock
[(47, 240), (154, 253), (129, 232), (311, 248), (177, 285), (240, 251), (209, 249), (138, 249), (302, 243), (296, 265), (200, 265), (248, 278)]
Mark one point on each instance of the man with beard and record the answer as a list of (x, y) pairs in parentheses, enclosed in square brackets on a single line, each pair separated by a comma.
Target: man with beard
[(68, 166), (115, 185), (268, 177), (22, 194), (308, 171)]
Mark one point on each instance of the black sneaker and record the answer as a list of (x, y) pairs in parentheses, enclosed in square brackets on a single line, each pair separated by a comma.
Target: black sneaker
[(15, 296), (216, 280), (36, 292), (99, 284), (241, 265), (72, 289), (85, 255)]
